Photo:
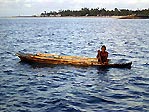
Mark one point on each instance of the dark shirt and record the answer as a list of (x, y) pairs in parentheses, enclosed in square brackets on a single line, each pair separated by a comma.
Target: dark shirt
[(103, 56)]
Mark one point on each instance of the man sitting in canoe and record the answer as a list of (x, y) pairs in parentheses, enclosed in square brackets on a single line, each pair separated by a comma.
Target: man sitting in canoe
[(102, 55)]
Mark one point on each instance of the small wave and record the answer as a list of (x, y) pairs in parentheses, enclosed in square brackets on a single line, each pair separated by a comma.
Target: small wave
[(146, 64), (41, 88), (138, 93), (23, 110), (137, 108), (94, 99), (121, 96)]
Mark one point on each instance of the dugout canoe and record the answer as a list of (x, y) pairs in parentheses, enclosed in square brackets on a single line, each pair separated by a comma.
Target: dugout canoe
[(70, 60)]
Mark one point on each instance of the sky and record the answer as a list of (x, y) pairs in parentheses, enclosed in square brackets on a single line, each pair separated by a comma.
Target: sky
[(35, 7)]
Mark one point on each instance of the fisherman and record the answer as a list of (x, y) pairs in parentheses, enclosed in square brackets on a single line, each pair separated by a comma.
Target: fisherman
[(102, 55)]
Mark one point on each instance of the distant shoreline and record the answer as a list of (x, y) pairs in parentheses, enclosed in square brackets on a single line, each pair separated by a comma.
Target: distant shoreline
[(115, 17), (68, 17), (90, 13)]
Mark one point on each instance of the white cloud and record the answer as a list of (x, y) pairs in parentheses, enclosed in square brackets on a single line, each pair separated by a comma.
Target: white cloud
[(28, 5)]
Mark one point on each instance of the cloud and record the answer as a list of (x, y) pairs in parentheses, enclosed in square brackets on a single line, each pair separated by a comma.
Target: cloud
[(30, 7)]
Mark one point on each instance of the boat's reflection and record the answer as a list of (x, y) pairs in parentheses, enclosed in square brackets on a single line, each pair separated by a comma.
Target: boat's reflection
[(100, 70), (39, 65)]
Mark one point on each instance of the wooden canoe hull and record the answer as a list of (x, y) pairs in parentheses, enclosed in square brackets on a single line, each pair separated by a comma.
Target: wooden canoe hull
[(67, 60)]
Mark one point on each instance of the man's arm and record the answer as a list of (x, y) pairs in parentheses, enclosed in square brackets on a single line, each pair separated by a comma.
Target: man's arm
[(106, 58), (99, 57)]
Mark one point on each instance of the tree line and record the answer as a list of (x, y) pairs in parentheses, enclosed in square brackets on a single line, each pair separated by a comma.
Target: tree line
[(97, 12)]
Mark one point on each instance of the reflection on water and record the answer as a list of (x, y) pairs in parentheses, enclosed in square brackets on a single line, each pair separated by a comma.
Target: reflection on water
[(30, 88)]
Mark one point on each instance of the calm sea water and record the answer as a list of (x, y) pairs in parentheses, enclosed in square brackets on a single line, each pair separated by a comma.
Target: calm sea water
[(25, 88)]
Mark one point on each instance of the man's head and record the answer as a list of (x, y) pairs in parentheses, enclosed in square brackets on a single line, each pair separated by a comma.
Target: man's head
[(103, 48)]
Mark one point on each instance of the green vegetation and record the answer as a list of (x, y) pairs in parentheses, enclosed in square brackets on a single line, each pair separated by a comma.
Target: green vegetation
[(97, 12)]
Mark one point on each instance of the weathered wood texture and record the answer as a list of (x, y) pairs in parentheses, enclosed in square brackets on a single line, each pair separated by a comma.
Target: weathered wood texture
[(67, 60)]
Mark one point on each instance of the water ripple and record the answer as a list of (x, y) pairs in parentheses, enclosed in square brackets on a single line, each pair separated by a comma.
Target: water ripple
[(34, 88)]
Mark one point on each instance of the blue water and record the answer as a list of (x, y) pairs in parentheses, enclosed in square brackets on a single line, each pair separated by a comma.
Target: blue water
[(26, 88)]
